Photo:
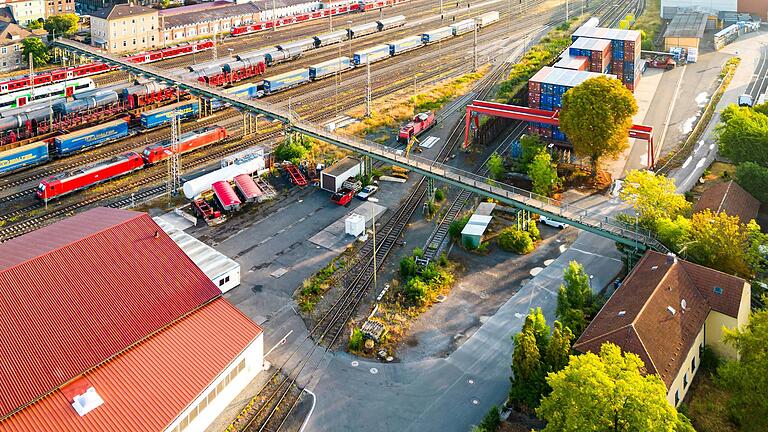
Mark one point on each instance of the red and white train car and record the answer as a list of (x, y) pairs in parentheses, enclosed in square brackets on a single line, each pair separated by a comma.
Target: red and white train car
[(64, 183), (187, 141), (226, 196), (171, 52), (293, 19)]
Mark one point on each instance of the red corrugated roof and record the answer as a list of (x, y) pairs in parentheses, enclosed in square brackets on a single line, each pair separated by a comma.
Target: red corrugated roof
[(77, 292), (226, 194), (148, 386), (247, 186)]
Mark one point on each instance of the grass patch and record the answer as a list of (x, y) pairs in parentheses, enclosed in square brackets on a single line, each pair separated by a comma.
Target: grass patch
[(649, 23), (394, 109), (707, 405), (313, 289)]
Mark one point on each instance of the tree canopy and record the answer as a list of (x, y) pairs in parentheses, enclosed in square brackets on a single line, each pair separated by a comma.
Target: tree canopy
[(575, 302), (543, 174), (61, 25), (743, 135), (746, 377), (37, 48), (754, 179), (607, 392), (653, 196), (495, 166), (596, 117)]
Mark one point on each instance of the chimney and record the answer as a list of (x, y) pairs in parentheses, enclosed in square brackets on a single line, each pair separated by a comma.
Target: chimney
[(157, 234)]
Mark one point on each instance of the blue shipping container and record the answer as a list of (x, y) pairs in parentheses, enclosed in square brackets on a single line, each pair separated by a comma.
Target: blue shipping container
[(286, 80), (30, 154), (90, 137), (161, 116)]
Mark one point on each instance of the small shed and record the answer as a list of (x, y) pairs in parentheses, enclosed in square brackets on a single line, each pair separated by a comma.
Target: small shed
[(473, 231), (685, 30), (334, 176), (221, 270)]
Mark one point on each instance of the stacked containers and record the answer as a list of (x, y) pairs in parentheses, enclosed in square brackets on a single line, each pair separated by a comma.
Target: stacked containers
[(597, 50), (546, 90), (625, 47)]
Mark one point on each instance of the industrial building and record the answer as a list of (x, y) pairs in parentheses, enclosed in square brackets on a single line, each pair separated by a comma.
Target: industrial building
[(666, 311), (670, 8), (117, 320), (685, 31)]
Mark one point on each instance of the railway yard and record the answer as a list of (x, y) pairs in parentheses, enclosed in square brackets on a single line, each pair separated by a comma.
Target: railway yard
[(276, 199)]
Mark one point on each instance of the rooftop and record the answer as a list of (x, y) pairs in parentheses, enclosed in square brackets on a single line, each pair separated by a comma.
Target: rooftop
[(607, 33), (152, 382), (660, 309), (59, 285), (690, 25), (568, 61), (591, 44), (122, 11), (209, 14), (564, 77), (342, 166), (731, 199)]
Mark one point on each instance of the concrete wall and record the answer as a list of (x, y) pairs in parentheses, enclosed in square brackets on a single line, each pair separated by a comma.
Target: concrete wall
[(682, 381), (197, 419)]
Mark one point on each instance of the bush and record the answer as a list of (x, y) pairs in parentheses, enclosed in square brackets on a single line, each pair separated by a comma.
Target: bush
[(443, 260), (356, 340), (533, 230), (407, 268), (492, 420), (416, 291), (290, 151), (439, 195), (754, 179), (457, 226), (514, 240), (495, 166)]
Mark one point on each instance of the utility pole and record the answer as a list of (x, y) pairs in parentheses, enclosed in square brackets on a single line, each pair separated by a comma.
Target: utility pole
[(174, 162), (214, 50), (474, 49), (31, 76), (274, 16), (373, 225), (441, 10), (368, 90), (567, 11)]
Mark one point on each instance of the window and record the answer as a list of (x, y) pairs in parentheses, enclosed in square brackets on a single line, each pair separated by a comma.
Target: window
[(685, 380), (4, 50), (677, 397), (5, 63), (693, 364), (718, 290), (125, 43), (221, 282), (18, 61), (16, 47)]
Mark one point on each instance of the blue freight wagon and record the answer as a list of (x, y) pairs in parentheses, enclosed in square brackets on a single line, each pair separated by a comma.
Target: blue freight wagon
[(330, 67), (437, 35), (162, 115), (91, 137), (19, 157), (371, 55), (403, 45), (285, 81)]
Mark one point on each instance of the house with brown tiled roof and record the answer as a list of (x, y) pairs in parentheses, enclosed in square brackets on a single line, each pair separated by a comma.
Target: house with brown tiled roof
[(666, 311), (731, 199), (11, 37)]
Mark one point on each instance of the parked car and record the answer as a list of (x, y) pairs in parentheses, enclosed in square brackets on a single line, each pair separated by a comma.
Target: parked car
[(745, 100), (367, 192), (553, 223)]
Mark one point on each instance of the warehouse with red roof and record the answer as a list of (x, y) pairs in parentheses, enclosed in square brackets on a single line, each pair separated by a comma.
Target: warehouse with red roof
[(101, 315)]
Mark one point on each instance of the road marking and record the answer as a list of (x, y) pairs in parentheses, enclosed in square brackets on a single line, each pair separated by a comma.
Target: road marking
[(374, 371), (687, 161)]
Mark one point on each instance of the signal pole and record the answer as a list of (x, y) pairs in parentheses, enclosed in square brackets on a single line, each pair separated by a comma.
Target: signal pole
[(214, 51), (368, 90), (31, 76), (174, 162), (474, 49)]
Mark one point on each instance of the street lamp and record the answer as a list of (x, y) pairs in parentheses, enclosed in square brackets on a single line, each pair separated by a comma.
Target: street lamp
[(590, 281)]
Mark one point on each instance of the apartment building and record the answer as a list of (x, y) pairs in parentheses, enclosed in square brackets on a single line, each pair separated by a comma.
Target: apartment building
[(26, 11), (125, 28), (58, 7)]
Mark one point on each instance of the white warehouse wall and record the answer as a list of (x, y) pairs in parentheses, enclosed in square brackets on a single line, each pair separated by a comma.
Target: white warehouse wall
[(709, 6)]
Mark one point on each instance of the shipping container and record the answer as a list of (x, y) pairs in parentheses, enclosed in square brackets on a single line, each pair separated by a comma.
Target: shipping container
[(244, 91), (390, 23), (298, 46), (334, 176), (362, 30), (371, 55), (330, 38), (330, 67), (248, 190), (91, 137), (553, 80), (437, 35), (405, 45), (285, 81), (160, 116), (226, 196), (487, 19), (462, 27), (26, 155), (568, 61)]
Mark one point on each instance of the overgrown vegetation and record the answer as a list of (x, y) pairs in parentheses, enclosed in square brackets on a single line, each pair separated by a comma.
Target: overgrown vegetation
[(312, 289), (490, 422), (356, 340), (495, 166), (515, 240), (422, 285), (649, 23), (457, 226)]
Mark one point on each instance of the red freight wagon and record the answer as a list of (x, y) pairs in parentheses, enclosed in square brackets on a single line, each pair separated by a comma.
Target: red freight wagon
[(187, 141), (248, 188), (64, 183), (226, 196)]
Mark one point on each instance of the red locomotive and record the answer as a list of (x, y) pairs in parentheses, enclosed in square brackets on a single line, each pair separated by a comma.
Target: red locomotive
[(65, 183), (420, 123), (187, 141)]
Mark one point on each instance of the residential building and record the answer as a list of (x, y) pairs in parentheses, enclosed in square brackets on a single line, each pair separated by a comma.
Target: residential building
[(87, 7), (58, 7), (125, 28), (192, 22), (25, 11), (666, 311), (731, 199), (168, 350), (11, 36)]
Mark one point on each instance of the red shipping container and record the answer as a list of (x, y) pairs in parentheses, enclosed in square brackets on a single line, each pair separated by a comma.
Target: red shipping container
[(534, 87), (533, 104)]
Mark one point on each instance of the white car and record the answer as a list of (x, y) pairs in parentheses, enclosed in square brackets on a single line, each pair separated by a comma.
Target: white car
[(367, 192), (553, 223), (745, 100)]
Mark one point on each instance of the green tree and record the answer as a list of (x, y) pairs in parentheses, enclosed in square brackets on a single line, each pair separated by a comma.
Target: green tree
[(37, 48), (596, 117), (457, 226), (543, 174), (61, 25), (514, 240), (754, 179), (743, 135), (495, 166), (165, 4), (746, 377), (290, 150), (416, 291), (721, 242), (673, 232), (606, 392), (530, 146), (653, 196), (35, 25), (491, 421), (528, 371), (559, 347), (407, 267), (574, 299)]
